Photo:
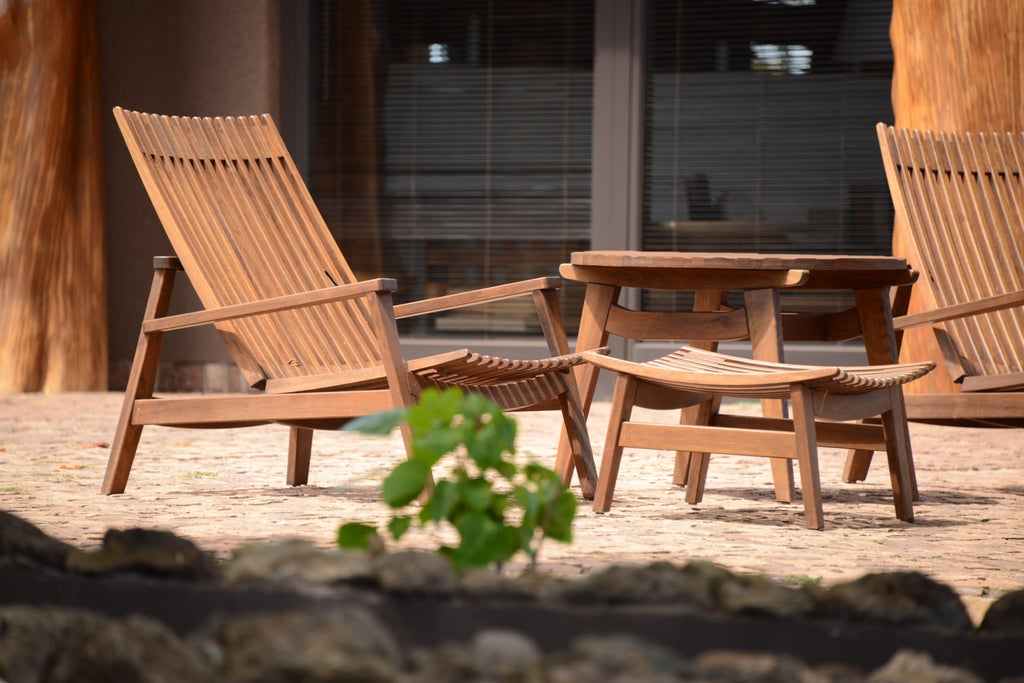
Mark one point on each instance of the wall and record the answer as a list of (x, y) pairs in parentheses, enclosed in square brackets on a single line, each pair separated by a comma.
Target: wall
[(187, 57)]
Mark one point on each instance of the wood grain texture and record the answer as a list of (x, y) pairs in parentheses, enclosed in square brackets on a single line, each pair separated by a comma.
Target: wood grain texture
[(958, 66), (291, 310), (818, 395), (53, 298), (960, 198)]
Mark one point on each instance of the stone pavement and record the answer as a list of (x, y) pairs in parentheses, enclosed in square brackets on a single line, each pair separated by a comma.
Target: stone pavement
[(223, 488)]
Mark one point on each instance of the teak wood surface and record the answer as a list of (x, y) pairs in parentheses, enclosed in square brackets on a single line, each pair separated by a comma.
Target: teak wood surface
[(960, 198), (693, 376), (760, 277)]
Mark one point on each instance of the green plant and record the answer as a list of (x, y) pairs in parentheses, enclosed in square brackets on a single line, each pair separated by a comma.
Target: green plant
[(498, 506)]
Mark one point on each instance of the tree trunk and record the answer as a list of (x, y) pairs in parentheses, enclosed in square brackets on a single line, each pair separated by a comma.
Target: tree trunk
[(958, 66), (53, 298)]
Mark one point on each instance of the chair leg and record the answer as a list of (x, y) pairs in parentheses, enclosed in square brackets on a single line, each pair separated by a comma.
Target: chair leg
[(782, 468), (126, 438), (857, 464), (763, 308), (141, 382), (622, 407), (401, 384), (579, 441), (806, 442), (700, 414), (697, 477), (300, 445), (901, 463)]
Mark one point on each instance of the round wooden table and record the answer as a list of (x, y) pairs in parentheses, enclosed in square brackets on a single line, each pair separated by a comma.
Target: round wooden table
[(760, 278)]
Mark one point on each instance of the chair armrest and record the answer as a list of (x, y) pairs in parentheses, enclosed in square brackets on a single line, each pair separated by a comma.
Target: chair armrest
[(167, 263), (271, 305), (986, 305), (477, 296)]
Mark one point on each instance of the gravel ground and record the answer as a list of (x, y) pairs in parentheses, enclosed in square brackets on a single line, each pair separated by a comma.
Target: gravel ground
[(224, 488)]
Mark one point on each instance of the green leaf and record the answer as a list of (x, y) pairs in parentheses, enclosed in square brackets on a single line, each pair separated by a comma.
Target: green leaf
[(483, 542), (549, 492), (377, 424), (434, 409), (435, 444), (492, 438), (484, 447), (444, 499), (499, 504), (540, 475), (405, 482), (561, 514), (526, 534), (476, 405), (398, 525), (506, 469), (476, 493), (355, 535), (507, 428), (529, 504), (506, 542)]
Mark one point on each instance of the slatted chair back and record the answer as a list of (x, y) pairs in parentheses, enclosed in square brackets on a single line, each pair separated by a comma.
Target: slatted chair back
[(245, 228), (961, 197)]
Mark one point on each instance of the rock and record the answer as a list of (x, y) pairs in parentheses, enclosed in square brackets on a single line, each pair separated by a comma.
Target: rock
[(659, 582), (22, 539), (132, 650), (504, 655), (530, 585), (147, 551), (1005, 614), (896, 598), (758, 595), (314, 646), (916, 667), (31, 638), (55, 645), (752, 667), (617, 658), (295, 559), (414, 571), (446, 663)]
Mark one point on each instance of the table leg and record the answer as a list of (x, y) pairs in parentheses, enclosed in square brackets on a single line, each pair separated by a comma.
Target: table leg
[(597, 304), (702, 413), (764, 322), (875, 315)]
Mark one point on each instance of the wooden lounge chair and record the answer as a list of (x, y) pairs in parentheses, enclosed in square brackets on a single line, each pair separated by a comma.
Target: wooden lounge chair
[(319, 346), (819, 397), (960, 197)]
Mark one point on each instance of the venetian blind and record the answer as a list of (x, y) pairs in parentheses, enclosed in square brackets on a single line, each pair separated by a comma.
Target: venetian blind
[(760, 126), (451, 142)]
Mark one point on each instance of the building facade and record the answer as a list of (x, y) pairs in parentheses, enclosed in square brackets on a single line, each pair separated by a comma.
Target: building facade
[(462, 143)]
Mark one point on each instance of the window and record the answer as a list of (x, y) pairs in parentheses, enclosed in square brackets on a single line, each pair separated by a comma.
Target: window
[(450, 144), (760, 129)]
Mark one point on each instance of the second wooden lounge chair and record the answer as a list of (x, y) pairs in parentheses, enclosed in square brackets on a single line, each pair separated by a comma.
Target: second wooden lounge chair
[(960, 197), (820, 397), (320, 346)]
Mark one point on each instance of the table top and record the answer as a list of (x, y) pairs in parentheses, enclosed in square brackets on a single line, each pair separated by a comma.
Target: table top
[(736, 271), (732, 261)]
